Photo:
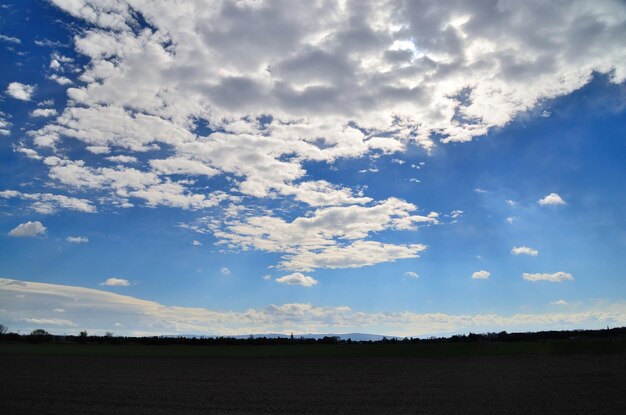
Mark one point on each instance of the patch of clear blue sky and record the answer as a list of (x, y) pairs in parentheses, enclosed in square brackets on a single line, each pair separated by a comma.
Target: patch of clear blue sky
[(577, 152)]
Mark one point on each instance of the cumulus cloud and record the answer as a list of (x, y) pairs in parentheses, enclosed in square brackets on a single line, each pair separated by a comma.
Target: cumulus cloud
[(77, 239), (61, 80), (297, 278), (554, 277), (524, 250), (196, 243), (255, 92), (28, 229), (330, 237), (285, 85), (481, 275), (44, 112), (411, 274), (48, 203), (5, 125), (122, 159), (553, 199), (20, 91), (102, 310), (116, 282)]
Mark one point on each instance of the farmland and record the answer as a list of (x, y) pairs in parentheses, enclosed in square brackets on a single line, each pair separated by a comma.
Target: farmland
[(523, 377)]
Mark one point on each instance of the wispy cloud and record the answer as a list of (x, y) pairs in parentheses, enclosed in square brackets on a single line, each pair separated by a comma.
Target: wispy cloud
[(77, 239), (48, 203), (554, 277), (135, 315), (524, 250)]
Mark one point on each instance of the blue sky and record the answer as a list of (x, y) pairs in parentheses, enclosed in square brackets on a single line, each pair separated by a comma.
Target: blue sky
[(405, 168)]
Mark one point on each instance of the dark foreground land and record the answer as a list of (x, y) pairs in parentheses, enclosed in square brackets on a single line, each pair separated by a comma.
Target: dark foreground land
[(95, 383)]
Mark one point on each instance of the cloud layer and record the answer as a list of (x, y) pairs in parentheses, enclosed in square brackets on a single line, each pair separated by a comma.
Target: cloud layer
[(29, 305), (172, 100)]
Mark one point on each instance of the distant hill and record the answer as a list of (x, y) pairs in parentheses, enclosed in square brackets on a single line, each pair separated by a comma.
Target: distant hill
[(345, 336)]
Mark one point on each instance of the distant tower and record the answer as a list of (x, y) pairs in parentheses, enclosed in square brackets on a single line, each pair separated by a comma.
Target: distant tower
[(291, 336)]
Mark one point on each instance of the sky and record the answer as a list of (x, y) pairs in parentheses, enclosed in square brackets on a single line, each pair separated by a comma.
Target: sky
[(408, 168)]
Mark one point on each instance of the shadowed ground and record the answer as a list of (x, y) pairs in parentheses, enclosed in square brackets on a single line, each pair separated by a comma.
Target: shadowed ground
[(518, 384)]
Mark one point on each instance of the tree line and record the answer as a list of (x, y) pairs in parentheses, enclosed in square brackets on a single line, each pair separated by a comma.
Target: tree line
[(40, 336)]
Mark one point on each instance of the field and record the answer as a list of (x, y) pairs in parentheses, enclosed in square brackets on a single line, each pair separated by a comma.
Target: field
[(466, 378)]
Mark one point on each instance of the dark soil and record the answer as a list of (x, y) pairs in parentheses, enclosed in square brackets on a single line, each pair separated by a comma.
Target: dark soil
[(516, 384)]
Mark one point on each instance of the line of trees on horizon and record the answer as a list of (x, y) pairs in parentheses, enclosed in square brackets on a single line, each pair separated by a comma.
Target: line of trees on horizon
[(41, 336)]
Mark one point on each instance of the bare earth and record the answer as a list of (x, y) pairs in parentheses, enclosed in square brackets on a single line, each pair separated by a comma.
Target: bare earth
[(516, 384)]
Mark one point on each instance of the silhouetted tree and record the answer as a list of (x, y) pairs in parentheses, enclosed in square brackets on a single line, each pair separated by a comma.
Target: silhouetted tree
[(3, 329), (39, 332)]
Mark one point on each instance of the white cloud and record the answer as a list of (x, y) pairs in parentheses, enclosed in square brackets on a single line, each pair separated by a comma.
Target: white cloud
[(29, 152), (48, 203), (224, 271), (28, 229), (77, 239), (511, 219), (122, 159), (98, 149), (9, 39), (181, 165), (554, 277), (455, 214), (5, 125), (524, 250), (282, 86), (49, 321), (479, 190), (552, 199), (126, 182), (330, 237), (481, 275), (196, 243), (356, 255), (322, 193), (102, 310), (559, 302), (267, 277), (61, 80), (21, 91), (511, 202), (116, 282), (44, 112), (297, 279), (411, 274)]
